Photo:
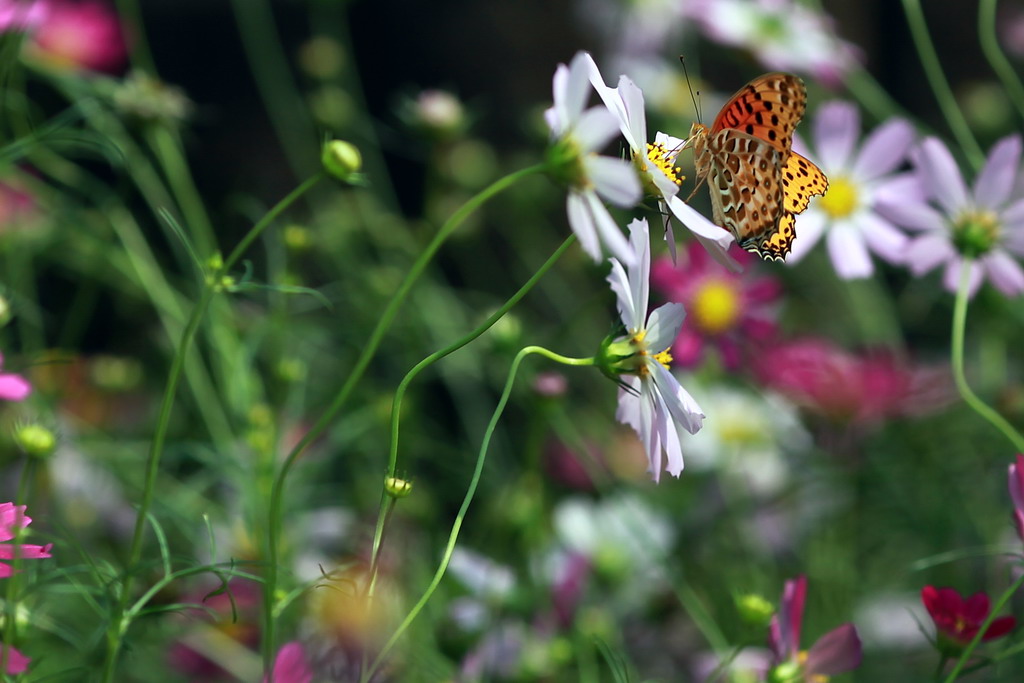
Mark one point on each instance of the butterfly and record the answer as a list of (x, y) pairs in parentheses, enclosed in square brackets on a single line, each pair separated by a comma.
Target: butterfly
[(758, 183)]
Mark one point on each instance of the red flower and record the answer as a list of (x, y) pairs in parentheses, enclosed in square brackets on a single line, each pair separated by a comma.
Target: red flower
[(957, 620)]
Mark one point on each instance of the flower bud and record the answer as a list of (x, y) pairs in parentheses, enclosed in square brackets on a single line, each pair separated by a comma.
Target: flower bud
[(35, 439), (5, 311), (754, 609), (397, 488), (341, 159)]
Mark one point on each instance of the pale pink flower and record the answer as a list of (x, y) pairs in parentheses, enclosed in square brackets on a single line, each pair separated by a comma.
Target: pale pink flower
[(12, 518), (577, 134), (652, 401), (13, 387), (727, 310), (21, 15), (860, 178), (1016, 480), (79, 35), (836, 652), (781, 34), (984, 223)]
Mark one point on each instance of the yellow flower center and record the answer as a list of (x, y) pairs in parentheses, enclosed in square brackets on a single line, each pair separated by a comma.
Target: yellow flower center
[(816, 678), (841, 199), (664, 159), (716, 307)]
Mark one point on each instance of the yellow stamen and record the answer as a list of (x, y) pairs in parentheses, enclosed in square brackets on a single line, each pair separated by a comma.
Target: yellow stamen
[(664, 159), (841, 199), (665, 358)]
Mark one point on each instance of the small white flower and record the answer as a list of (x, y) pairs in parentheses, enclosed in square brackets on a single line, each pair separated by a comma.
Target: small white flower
[(652, 401), (656, 164), (577, 134)]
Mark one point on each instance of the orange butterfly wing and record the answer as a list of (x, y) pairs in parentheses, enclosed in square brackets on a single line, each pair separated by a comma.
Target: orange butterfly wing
[(757, 182)]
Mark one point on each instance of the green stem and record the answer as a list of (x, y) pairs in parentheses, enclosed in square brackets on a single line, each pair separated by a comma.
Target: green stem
[(120, 620), (367, 354), (470, 492), (959, 326), (996, 608), (396, 406), (1000, 64), (940, 86), (872, 96), (131, 20)]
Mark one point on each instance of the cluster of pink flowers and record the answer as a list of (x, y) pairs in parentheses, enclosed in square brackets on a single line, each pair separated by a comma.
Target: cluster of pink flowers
[(12, 519), (67, 34)]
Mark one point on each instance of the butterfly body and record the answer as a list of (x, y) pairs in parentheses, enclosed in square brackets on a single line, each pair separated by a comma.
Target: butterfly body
[(758, 183)]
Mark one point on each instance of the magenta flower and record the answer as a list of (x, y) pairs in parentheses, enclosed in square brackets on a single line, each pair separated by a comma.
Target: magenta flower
[(79, 35), (859, 179), (957, 620), (13, 387), (13, 517), (290, 665), (819, 376), (727, 309), (836, 652), (14, 661), (21, 15), (984, 224), (1016, 480)]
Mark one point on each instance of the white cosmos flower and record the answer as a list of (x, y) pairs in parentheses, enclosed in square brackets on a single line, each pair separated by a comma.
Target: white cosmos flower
[(652, 402), (656, 164), (577, 134)]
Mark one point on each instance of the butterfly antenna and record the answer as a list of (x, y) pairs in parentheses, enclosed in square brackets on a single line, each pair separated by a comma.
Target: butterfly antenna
[(696, 104)]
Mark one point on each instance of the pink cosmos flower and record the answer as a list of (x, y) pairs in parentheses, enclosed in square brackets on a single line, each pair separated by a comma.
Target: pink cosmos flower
[(817, 375), (836, 652), (16, 662), (13, 517), (858, 180), (727, 309), (783, 35), (17, 206), (291, 665), (984, 223), (1016, 480), (79, 35), (13, 387), (957, 620), (21, 15)]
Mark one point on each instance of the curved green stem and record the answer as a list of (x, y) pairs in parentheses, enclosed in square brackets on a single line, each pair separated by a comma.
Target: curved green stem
[(940, 86), (871, 95), (396, 406), (970, 398), (367, 354), (1000, 64), (470, 492), (120, 620), (966, 654)]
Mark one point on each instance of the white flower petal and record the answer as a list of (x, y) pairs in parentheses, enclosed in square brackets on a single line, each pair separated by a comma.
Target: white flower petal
[(608, 231), (896, 189), (577, 86), (912, 215), (594, 129), (624, 300), (928, 251), (670, 437), (1004, 272), (614, 179), (633, 101), (994, 184), (582, 223), (951, 277), (649, 431), (836, 129), (640, 273), (940, 174), (715, 239), (628, 411), (882, 237), (848, 252), (884, 149), (663, 326), (684, 410), (810, 227)]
